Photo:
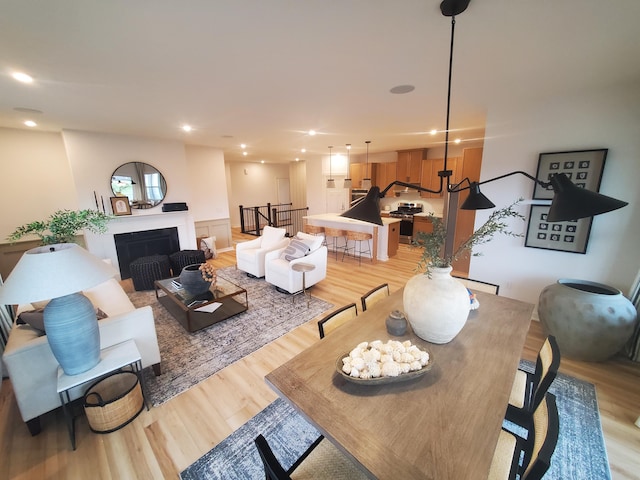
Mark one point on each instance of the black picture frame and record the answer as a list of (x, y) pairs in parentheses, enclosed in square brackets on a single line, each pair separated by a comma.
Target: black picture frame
[(583, 167), (571, 236), (120, 206)]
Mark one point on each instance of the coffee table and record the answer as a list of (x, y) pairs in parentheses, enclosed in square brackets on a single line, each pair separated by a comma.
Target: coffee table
[(195, 312)]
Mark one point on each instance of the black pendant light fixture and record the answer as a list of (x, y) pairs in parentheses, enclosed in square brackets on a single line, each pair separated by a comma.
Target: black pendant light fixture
[(570, 202), (347, 181), (330, 182)]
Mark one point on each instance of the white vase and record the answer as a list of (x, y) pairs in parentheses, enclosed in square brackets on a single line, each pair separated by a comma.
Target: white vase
[(438, 307)]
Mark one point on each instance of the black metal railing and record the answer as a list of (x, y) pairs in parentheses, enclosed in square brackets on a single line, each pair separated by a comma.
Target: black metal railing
[(253, 219)]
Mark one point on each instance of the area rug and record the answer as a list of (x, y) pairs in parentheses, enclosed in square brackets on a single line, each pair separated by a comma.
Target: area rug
[(580, 452), (189, 358)]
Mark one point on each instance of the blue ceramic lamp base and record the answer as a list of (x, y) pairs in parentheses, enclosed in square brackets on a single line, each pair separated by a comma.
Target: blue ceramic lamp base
[(72, 333)]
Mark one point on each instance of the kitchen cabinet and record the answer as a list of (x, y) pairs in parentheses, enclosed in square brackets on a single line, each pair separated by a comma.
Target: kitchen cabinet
[(409, 166), (385, 174), (430, 178), (358, 172), (394, 239), (422, 224)]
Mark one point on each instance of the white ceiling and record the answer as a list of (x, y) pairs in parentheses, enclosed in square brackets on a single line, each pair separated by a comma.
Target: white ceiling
[(263, 72)]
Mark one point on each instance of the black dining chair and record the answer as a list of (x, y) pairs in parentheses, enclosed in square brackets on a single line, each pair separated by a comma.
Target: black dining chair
[(374, 295), (529, 389), (479, 285), (528, 459), (337, 318), (322, 460)]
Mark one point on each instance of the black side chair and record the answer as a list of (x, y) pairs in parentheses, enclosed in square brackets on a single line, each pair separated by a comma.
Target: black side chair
[(479, 285), (337, 318), (322, 460), (530, 388), (374, 295), (528, 459)]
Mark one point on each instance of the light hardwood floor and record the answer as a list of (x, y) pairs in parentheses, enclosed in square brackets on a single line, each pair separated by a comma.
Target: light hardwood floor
[(165, 440)]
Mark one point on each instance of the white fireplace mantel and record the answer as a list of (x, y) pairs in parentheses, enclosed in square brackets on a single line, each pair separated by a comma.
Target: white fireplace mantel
[(104, 246)]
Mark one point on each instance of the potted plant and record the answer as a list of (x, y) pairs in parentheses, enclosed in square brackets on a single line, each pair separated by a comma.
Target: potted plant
[(436, 304), (62, 226)]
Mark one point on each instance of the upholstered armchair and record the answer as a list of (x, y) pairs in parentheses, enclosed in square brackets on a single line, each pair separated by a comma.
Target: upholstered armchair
[(250, 255), (279, 263)]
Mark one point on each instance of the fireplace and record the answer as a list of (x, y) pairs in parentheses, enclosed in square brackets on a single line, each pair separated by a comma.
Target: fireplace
[(132, 245)]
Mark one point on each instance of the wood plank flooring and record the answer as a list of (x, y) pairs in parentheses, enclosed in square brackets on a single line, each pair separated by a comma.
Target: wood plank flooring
[(165, 440)]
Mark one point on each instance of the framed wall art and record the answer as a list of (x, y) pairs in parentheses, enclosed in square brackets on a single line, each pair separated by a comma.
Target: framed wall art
[(583, 167), (120, 206), (571, 236)]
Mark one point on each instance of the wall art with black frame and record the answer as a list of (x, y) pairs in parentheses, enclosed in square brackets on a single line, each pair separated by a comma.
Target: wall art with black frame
[(571, 236), (583, 167)]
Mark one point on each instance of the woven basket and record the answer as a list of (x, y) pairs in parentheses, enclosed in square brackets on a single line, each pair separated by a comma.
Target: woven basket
[(113, 402)]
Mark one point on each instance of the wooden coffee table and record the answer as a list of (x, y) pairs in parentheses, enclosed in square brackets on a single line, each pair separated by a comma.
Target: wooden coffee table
[(195, 312)]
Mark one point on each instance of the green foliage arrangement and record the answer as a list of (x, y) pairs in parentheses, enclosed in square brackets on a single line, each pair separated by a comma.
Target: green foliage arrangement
[(63, 225), (432, 244)]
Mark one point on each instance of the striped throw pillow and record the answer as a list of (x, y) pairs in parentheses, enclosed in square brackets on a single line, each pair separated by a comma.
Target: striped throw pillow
[(296, 249)]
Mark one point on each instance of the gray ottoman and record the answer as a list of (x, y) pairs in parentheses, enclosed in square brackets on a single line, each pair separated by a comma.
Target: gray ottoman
[(146, 270)]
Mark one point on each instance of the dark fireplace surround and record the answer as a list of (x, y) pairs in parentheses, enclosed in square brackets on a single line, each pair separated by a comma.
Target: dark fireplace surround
[(132, 245)]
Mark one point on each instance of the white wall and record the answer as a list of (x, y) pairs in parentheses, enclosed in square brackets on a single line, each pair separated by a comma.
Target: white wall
[(607, 118), (252, 184), (209, 196), (36, 178)]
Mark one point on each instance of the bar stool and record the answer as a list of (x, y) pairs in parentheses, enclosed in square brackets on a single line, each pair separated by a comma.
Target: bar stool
[(334, 234), (358, 237), (315, 230)]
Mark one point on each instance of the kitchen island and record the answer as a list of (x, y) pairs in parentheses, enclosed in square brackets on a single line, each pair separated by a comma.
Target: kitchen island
[(380, 233)]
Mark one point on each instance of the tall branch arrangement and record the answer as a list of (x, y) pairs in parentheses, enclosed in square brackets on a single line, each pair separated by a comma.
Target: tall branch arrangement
[(432, 244)]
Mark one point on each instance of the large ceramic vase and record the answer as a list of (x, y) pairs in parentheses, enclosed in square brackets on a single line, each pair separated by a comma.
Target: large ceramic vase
[(72, 332), (589, 320), (192, 281), (437, 307)]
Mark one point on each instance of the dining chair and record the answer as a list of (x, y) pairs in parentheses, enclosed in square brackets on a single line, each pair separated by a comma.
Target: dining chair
[(529, 389), (374, 296), (337, 318), (322, 460), (529, 459), (479, 285)]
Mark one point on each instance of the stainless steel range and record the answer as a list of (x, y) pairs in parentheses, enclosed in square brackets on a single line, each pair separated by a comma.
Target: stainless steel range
[(406, 211)]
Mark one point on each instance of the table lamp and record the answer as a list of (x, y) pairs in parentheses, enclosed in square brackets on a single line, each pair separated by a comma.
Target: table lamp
[(60, 272)]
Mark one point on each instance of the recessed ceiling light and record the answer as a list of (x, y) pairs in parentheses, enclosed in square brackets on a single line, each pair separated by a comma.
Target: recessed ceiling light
[(30, 123), (400, 89), (187, 128), (245, 153), (303, 150), (261, 161), (312, 132), (22, 77), (433, 132), (243, 146), (458, 140), (297, 159)]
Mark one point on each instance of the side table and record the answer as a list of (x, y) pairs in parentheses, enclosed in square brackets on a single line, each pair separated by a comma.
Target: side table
[(112, 358), (303, 268)]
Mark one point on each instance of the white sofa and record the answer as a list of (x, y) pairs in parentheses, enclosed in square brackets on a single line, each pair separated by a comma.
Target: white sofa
[(279, 271), (250, 255), (32, 367)]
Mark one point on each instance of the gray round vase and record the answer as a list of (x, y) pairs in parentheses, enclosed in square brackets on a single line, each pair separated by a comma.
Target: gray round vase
[(192, 281), (589, 320)]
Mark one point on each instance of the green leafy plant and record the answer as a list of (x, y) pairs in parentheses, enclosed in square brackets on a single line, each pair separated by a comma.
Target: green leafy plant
[(432, 244), (63, 225)]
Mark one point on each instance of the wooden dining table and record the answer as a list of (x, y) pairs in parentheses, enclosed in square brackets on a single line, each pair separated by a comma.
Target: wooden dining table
[(440, 425)]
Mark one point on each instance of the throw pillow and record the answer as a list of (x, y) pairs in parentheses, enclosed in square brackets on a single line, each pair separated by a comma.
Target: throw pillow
[(314, 242), (208, 246), (35, 318), (296, 249)]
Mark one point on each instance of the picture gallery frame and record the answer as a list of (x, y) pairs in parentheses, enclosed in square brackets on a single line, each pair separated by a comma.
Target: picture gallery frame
[(120, 206), (571, 236), (583, 167)]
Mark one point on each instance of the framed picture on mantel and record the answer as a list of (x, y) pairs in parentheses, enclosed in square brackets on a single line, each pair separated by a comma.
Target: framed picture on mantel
[(120, 206), (571, 236), (583, 167)]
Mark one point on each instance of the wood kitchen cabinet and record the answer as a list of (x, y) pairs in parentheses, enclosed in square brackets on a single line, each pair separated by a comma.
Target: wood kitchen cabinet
[(394, 239), (385, 174), (422, 224), (430, 178), (409, 166), (357, 172)]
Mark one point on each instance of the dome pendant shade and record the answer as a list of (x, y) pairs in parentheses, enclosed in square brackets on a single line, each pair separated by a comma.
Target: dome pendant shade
[(368, 210), (571, 202), (476, 200)]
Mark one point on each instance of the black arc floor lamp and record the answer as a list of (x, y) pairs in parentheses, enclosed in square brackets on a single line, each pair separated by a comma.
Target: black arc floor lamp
[(570, 202)]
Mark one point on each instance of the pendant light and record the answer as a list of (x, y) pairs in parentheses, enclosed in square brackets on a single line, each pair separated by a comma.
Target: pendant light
[(366, 182), (330, 182), (347, 181)]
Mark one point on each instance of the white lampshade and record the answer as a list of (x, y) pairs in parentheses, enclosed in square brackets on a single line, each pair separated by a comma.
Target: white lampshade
[(53, 271)]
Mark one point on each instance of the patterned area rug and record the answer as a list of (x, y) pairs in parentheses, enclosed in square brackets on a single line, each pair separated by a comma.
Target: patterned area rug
[(189, 358), (580, 452)]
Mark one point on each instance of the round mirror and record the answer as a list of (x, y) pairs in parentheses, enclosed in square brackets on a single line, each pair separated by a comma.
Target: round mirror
[(143, 184)]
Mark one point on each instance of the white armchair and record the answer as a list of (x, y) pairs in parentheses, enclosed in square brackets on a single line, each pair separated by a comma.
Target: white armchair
[(279, 271), (250, 255)]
